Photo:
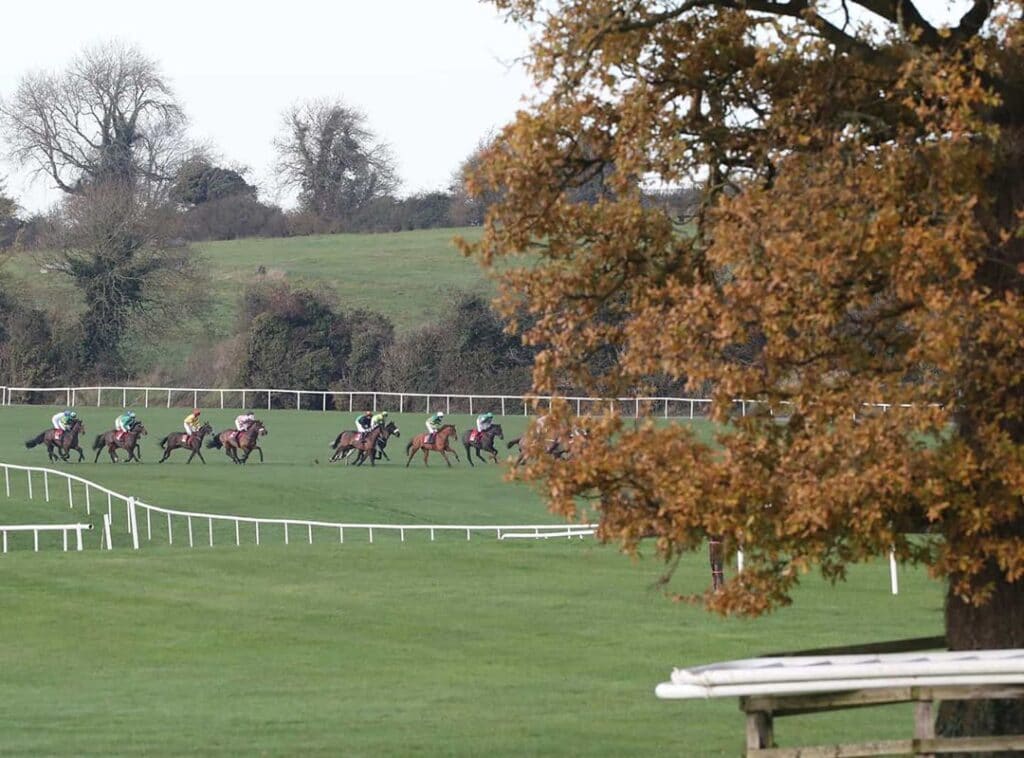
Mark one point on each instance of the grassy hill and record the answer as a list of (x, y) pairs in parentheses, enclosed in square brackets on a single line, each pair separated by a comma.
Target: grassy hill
[(405, 275), (408, 276)]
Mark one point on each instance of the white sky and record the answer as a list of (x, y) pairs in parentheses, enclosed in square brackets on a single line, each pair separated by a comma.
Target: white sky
[(432, 76)]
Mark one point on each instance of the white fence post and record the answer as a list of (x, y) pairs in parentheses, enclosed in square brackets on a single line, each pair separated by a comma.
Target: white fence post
[(106, 531), (133, 523), (894, 581)]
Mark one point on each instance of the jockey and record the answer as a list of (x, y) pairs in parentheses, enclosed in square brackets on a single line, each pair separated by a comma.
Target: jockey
[(244, 420), (433, 426), (378, 420), (192, 422), (483, 422), (124, 422), (364, 423), (64, 420)]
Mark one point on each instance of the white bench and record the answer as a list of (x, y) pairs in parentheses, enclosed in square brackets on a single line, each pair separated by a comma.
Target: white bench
[(771, 687)]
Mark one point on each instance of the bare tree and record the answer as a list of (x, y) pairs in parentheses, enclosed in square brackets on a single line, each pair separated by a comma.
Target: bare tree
[(111, 115), (328, 152), (122, 256)]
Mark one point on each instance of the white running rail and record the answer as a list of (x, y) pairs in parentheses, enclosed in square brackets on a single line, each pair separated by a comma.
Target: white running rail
[(146, 397), (64, 529), (137, 522)]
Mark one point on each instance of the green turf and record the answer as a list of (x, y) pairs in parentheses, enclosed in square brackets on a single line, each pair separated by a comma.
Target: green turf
[(452, 647)]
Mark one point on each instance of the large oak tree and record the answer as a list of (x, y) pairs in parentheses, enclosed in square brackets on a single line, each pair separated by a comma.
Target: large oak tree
[(858, 241)]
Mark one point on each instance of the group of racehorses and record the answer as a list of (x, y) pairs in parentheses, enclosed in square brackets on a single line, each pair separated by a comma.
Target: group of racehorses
[(239, 445)]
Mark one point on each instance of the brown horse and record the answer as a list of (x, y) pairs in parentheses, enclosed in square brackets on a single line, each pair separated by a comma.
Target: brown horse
[(344, 444), (368, 445), (113, 440), (188, 441), (484, 441), (233, 440), (63, 442), (439, 445), (552, 447)]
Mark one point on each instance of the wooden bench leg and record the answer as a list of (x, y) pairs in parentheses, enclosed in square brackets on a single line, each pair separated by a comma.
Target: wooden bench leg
[(760, 730), (924, 723)]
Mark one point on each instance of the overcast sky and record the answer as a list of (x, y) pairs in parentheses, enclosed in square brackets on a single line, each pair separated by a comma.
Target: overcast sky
[(432, 76)]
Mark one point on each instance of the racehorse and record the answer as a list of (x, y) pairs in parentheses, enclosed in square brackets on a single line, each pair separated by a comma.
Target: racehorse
[(191, 442), (382, 441), (440, 445), (113, 440), (554, 448), (483, 441), (343, 443), (233, 440), (61, 440), (368, 445)]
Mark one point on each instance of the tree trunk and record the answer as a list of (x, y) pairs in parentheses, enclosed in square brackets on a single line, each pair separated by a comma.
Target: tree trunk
[(995, 625)]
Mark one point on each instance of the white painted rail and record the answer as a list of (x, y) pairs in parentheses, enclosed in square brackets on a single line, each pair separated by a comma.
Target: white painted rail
[(303, 529), (244, 397), (187, 522), (64, 529), (505, 405)]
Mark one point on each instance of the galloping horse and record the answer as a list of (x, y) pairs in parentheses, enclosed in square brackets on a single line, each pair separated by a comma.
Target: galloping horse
[(188, 441), (440, 445), (344, 443), (554, 448), (368, 445), (233, 440), (113, 440), (484, 441), (62, 441)]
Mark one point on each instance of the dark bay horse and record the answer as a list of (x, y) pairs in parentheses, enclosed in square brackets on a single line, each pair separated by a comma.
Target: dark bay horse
[(368, 445), (552, 447), (234, 441), (439, 445), (484, 441), (344, 443), (191, 442), (63, 442), (113, 440)]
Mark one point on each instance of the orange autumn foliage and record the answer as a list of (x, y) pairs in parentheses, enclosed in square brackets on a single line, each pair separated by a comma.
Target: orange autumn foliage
[(859, 234)]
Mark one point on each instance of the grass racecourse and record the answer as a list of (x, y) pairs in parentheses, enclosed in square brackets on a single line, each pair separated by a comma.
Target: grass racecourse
[(416, 648)]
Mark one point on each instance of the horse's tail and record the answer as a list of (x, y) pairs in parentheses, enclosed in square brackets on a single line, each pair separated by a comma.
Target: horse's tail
[(162, 442), (214, 442), (98, 443), (408, 447), (35, 441), (337, 441)]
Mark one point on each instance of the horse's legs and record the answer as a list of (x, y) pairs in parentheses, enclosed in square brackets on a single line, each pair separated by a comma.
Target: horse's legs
[(426, 455), (441, 451), (413, 452), (469, 455), (112, 450), (200, 454), (97, 458), (260, 449), (477, 455)]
